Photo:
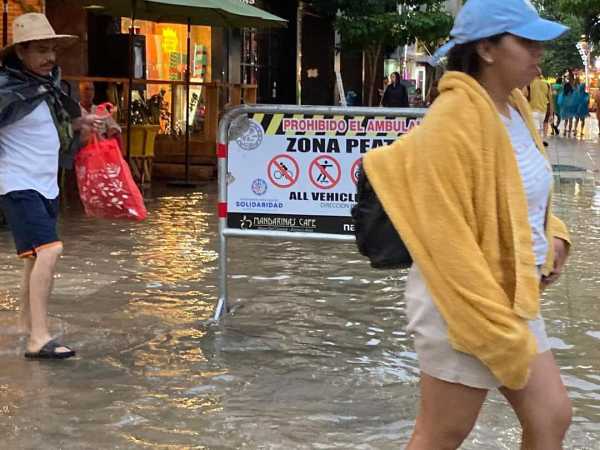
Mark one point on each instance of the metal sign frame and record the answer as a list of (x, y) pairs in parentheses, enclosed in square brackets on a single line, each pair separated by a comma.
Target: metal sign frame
[(222, 154)]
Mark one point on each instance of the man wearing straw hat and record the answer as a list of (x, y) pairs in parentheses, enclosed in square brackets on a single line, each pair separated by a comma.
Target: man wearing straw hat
[(37, 120)]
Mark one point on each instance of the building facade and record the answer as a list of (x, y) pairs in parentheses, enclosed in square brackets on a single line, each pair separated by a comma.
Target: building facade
[(15, 8), (291, 65), (413, 61)]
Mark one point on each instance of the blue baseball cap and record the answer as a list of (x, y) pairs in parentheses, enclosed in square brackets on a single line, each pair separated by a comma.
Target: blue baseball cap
[(479, 19)]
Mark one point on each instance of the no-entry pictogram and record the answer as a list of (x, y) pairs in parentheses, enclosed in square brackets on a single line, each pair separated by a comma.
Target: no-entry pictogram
[(324, 172), (283, 171), (355, 170)]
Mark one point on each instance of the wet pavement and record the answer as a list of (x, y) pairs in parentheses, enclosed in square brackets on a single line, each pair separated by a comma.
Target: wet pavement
[(313, 356)]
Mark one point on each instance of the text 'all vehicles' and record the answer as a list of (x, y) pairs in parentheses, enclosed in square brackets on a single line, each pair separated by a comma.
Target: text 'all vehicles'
[(324, 196)]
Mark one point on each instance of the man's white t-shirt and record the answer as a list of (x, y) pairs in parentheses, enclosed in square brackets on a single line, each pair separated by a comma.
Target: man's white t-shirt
[(29, 154)]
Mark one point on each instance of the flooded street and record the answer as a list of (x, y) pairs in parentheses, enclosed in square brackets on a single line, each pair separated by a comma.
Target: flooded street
[(314, 354)]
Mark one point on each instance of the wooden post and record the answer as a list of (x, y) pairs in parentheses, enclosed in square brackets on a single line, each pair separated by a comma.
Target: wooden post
[(212, 112), (250, 94), (130, 84), (236, 94), (188, 71), (5, 23), (125, 101), (174, 101), (188, 74)]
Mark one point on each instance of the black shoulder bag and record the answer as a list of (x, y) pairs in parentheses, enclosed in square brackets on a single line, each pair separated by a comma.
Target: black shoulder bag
[(376, 237)]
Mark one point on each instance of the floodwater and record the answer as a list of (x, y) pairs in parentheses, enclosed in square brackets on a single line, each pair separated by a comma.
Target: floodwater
[(313, 355)]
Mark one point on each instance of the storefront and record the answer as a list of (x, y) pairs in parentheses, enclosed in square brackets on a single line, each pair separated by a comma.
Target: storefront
[(15, 8), (159, 97), (228, 66), (162, 55), (268, 58), (293, 65)]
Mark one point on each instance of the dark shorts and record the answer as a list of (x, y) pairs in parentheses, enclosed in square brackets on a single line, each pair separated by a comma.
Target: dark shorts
[(32, 220)]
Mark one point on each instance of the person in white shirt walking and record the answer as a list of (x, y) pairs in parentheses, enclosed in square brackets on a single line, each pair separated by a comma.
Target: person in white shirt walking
[(37, 120)]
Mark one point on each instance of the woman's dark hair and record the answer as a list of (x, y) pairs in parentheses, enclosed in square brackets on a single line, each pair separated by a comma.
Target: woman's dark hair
[(464, 57), (397, 78), (568, 88)]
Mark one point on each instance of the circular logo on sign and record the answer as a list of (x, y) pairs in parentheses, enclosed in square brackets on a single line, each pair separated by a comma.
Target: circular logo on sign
[(259, 186), (252, 138)]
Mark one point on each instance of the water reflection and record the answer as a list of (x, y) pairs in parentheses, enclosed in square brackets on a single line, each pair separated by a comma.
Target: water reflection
[(596, 200), (172, 247), (313, 355)]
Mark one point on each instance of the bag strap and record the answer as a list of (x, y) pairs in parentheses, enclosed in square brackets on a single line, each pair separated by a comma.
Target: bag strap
[(105, 109)]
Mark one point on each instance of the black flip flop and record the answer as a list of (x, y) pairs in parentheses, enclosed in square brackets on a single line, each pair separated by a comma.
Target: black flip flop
[(48, 351)]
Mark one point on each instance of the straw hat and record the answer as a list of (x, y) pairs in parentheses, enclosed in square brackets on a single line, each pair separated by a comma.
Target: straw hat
[(34, 27)]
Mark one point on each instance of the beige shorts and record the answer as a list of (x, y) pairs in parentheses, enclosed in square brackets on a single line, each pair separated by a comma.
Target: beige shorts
[(436, 356), (539, 118)]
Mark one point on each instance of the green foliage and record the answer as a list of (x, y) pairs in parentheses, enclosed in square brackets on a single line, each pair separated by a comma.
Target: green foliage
[(374, 25), (588, 11), (582, 16), (369, 23), (562, 54)]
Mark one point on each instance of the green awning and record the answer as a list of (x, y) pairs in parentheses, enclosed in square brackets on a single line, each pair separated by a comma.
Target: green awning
[(223, 13)]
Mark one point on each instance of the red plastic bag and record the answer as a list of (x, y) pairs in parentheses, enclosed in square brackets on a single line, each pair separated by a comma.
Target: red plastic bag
[(106, 186)]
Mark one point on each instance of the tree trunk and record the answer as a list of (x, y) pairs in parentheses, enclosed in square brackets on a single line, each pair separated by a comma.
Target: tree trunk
[(372, 55)]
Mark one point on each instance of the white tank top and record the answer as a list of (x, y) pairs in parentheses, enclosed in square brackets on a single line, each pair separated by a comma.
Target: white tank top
[(29, 154), (536, 174)]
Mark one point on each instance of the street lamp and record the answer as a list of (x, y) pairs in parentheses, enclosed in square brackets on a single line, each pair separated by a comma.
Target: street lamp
[(585, 49)]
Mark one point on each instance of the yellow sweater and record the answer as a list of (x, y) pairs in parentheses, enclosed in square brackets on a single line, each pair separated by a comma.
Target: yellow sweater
[(453, 190)]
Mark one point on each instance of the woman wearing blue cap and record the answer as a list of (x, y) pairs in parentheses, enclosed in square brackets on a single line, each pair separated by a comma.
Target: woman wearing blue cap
[(469, 191)]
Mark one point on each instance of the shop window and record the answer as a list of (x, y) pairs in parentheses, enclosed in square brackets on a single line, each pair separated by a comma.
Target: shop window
[(166, 60), (250, 56), (260, 62)]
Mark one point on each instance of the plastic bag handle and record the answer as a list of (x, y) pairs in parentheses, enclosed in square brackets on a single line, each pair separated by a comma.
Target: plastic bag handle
[(94, 139), (105, 109)]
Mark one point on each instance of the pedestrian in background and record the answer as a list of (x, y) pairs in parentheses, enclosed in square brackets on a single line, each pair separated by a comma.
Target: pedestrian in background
[(37, 120), (395, 94), (539, 94), (582, 107), (556, 96), (568, 104), (597, 105), (469, 192), (417, 99)]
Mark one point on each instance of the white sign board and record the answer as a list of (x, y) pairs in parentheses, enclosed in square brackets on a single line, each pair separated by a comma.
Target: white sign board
[(296, 172)]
